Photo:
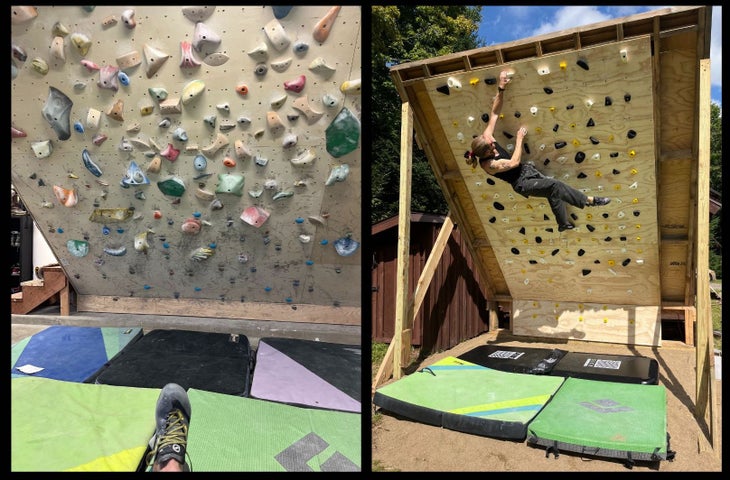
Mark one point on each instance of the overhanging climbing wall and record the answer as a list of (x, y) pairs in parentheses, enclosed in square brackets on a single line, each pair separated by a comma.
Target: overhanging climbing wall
[(602, 105), (194, 160)]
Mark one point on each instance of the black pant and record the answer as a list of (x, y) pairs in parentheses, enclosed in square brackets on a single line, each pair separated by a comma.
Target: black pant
[(532, 183)]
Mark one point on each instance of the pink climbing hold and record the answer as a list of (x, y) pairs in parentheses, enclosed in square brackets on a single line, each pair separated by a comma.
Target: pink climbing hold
[(191, 226), (90, 66), (17, 133), (108, 77), (255, 216), (296, 85), (188, 58), (170, 152)]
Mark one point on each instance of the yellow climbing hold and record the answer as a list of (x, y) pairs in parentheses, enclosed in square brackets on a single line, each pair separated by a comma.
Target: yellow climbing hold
[(192, 90), (635, 200), (605, 320), (589, 216), (611, 263), (563, 65), (598, 173), (632, 153), (538, 130), (634, 171), (473, 81)]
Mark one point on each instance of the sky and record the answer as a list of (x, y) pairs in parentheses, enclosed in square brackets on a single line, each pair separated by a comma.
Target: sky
[(506, 24)]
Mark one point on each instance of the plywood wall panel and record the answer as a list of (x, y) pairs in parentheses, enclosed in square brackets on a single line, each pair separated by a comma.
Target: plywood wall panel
[(602, 322), (522, 231), (674, 198), (290, 259), (677, 88)]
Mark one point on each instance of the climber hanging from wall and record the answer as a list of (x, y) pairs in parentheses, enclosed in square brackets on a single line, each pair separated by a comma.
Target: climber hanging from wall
[(524, 177)]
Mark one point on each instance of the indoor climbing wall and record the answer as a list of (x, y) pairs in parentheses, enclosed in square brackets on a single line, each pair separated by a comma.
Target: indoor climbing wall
[(200, 160), (599, 118)]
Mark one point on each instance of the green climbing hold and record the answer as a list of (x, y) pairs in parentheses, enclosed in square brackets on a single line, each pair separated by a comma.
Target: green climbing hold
[(230, 183), (343, 134), (78, 248), (172, 186)]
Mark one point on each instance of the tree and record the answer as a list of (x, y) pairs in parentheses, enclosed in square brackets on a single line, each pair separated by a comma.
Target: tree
[(405, 34), (715, 147), (716, 184)]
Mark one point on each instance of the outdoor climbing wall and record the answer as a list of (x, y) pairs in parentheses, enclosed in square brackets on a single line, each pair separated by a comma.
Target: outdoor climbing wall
[(598, 118), (194, 160)]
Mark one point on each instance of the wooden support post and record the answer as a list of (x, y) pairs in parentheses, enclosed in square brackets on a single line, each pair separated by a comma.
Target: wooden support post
[(386, 366), (431, 264), (402, 326), (705, 350), (65, 300)]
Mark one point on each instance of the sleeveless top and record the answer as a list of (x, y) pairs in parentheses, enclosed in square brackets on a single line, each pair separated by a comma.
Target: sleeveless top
[(512, 175)]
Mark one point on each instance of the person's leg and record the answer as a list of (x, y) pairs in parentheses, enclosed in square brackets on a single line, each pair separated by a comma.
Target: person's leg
[(172, 417), (557, 195)]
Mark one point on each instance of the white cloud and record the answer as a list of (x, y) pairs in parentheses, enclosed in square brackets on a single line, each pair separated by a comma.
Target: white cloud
[(571, 17), (716, 48)]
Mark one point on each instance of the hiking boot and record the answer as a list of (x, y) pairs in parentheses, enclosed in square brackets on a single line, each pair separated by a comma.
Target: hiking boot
[(598, 201), (172, 417), (569, 226)]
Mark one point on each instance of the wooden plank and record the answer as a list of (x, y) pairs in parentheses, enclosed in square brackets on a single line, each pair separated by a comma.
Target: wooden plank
[(705, 384), (65, 301), (402, 320), (431, 264), (274, 312), (385, 371)]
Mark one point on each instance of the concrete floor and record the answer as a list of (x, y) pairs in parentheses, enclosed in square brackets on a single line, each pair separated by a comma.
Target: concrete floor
[(23, 326)]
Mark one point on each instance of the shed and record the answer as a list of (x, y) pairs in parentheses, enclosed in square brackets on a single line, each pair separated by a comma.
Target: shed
[(454, 306)]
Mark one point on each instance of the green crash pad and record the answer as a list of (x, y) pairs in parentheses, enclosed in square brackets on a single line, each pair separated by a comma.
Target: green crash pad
[(605, 419), (58, 425), (241, 434), (460, 395)]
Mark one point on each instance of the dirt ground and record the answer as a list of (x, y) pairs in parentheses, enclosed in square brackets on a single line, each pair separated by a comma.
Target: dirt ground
[(400, 444)]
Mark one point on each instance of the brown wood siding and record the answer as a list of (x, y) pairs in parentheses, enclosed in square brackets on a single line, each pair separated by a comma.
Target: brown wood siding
[(454, 308)]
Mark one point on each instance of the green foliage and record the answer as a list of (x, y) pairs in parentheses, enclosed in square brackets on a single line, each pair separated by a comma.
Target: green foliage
[(378, 352), (405, 34), (715, 147), (716, 184)]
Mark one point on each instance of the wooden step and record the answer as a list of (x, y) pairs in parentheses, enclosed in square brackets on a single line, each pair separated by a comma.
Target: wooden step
[(34, 293)]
